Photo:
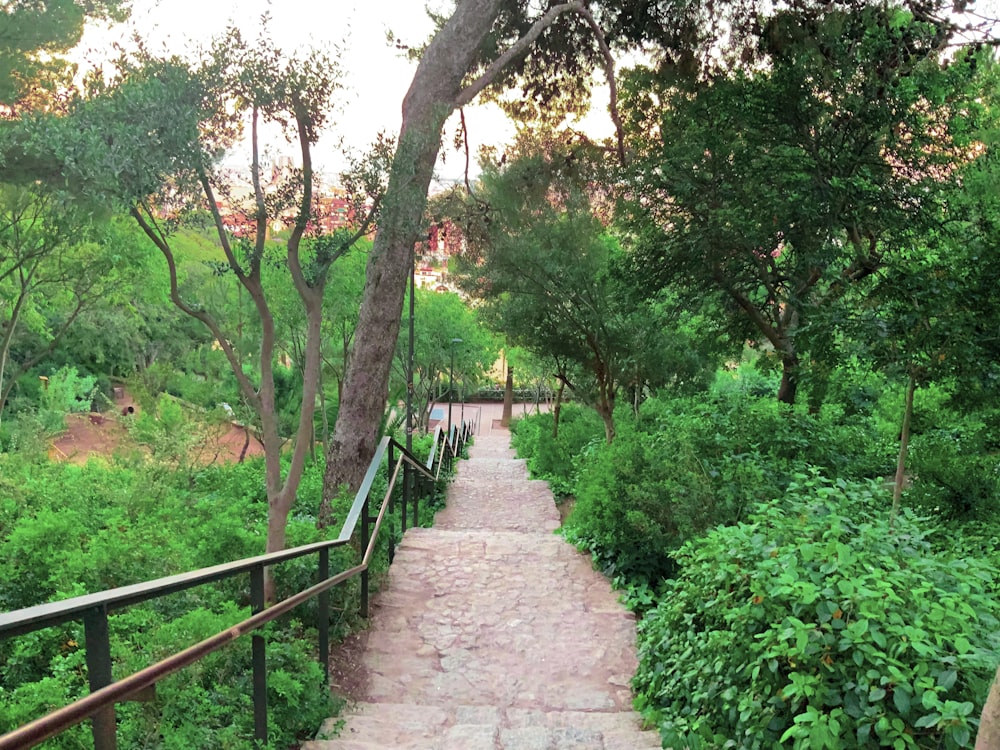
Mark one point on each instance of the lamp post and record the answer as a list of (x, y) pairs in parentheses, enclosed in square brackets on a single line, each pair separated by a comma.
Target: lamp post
[(451, 381), (408, 476)]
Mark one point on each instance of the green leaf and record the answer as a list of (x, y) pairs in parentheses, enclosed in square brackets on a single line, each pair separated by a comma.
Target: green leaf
[(961, 735), (947, 679), (928, 720)]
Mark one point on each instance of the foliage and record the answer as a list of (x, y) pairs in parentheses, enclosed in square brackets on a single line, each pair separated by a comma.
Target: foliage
[(543, 266), (684, 465), (66, 530), (539, 260), (955, 476), (439, 319), (774, 190), (35, 34), (66, 391), (557, 460), (816, 625), (57, 265)]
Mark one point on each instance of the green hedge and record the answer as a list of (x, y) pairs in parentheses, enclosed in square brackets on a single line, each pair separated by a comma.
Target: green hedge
[(816, 624)]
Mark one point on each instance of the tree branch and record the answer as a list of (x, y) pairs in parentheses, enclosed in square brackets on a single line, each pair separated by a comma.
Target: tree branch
[(763, 325), (494, 69), (249, 392), (609, 72), (465, 139)]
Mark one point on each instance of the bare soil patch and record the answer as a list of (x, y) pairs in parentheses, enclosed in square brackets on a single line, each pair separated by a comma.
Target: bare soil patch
[(103, 435), (348, 675)]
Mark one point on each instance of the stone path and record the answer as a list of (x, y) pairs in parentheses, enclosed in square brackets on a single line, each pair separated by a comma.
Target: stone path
[(494, 634)]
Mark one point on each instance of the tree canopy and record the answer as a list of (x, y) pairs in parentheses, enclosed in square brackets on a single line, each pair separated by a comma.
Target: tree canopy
[(776, 189), (34, 35)]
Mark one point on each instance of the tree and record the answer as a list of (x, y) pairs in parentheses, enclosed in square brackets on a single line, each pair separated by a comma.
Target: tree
[(440, 318), (540, 262), (33, 36), (777, 188), (55, 264), (147, 142), (469, 40), (536, 374), (342, 295), (482, 43)]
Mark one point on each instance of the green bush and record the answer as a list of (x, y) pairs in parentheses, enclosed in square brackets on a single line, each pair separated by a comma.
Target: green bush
[(953, 474), (686, 465), (818, 625), (641, 497), (67, 530), (557, 460), (68, 391)]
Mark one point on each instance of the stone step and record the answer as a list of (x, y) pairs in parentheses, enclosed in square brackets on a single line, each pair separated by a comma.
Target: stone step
[(406, 726), (492, 633)]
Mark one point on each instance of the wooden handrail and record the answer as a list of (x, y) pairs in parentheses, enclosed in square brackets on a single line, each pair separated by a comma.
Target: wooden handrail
[(93, 609)]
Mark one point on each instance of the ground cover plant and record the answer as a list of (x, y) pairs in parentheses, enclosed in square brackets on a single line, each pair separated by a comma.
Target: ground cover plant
[(780, 604), (818, 624), (67, 530)]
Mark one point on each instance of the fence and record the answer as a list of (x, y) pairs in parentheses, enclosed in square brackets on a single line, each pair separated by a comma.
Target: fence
[(93, 609)]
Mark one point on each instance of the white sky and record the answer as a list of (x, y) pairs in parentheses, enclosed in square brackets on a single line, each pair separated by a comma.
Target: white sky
[(377, 76)]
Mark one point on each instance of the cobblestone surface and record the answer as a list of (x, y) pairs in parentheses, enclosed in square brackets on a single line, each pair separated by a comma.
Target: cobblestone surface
[(494, 633)]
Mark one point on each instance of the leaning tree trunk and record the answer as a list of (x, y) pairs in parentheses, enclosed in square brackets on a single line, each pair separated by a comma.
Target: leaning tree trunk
[(431, 99), (789, 377), (988, 737)]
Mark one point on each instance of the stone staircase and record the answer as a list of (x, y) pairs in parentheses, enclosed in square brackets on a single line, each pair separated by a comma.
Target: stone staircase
[(492, 633)]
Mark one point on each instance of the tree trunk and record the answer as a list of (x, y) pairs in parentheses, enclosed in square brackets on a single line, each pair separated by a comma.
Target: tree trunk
[(988, 737), (904, 445), (508, 398), (246, 443), (789, 377), (607, 416), (428, 103), (557, 409), (322, 406)]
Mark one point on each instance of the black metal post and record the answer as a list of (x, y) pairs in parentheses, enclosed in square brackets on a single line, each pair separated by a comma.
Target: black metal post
[(407, 495), (416, 509), (407, 469), (391, 467), (324, 615), (451, 380), (259, 655), (365, 532), (98, 645)]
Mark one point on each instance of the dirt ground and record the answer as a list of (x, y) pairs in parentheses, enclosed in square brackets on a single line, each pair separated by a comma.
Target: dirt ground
[(102, 435)]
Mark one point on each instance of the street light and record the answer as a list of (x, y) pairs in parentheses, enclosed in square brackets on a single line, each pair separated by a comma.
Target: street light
[(451, 381)]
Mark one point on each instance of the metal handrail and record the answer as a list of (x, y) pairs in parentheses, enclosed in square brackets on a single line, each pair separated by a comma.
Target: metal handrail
[(93, 609)]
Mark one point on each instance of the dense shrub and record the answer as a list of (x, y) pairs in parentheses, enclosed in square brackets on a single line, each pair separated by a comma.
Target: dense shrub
[(818, 625), (954, 475), (685, 465), (558, 459), (639, 498), (67, 530)]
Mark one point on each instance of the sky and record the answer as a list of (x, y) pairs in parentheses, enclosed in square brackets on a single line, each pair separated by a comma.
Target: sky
[(377, 75)]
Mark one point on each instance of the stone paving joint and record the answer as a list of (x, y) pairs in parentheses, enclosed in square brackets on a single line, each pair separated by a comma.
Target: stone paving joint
[(492, 633)]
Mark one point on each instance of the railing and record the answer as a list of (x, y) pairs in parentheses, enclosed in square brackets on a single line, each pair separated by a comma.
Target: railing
[(93, 609)]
